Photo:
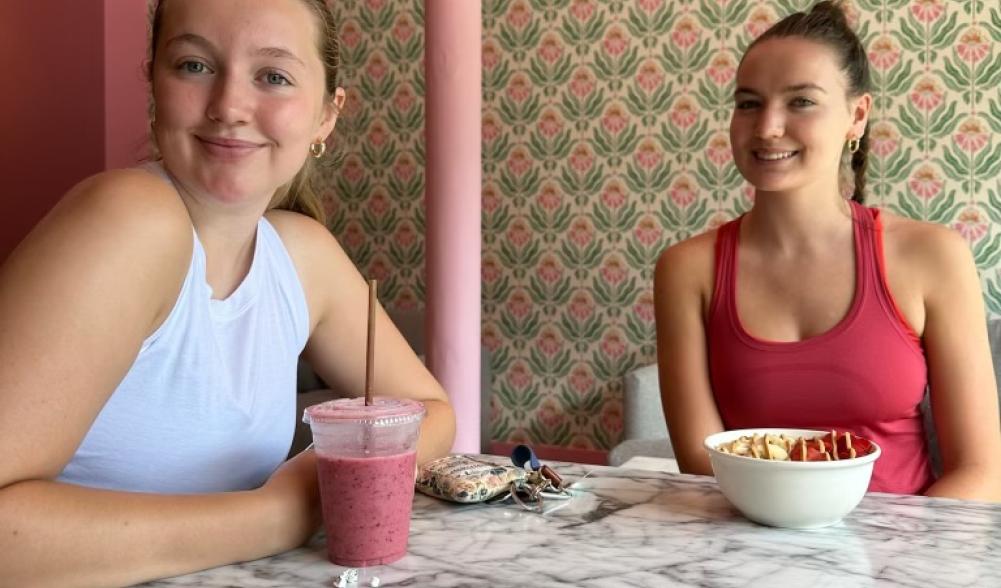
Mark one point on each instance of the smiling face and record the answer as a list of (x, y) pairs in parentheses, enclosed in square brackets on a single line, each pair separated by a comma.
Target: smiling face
[(239, 93), (792, 116)]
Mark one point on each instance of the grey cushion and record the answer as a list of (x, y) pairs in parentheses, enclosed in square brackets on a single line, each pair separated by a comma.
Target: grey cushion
[(630, 448), (645, 430), (642, 408)]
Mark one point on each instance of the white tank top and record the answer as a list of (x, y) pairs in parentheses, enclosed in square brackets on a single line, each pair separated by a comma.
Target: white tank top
[(209, 404)]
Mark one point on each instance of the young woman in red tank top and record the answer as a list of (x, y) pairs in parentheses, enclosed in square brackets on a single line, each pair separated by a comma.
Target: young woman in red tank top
[(814, 311)]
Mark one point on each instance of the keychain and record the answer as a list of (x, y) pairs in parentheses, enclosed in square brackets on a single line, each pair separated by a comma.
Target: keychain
[(540, 482)]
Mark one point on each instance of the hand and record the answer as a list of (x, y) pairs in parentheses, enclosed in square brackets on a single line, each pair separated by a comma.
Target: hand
[(293, 492)]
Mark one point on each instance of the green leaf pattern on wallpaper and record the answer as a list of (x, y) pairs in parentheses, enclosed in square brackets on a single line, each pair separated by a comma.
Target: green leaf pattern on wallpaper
[(605, 139)]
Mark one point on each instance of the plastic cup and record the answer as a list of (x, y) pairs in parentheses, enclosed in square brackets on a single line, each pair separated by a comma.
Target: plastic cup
[(366, 458)]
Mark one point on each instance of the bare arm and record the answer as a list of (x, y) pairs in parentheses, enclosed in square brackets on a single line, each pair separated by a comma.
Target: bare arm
[(338, 302), (963, 389), (77, 298), (682, 362)]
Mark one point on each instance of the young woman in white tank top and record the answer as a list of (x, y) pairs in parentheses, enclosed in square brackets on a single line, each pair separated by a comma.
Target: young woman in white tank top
[(151, 323)]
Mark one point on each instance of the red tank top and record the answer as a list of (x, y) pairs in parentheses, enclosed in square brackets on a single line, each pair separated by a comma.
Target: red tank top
[(867, 374)]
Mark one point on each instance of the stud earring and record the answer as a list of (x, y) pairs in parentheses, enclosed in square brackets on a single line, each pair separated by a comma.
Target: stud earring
[(854, 144), (317, 149)]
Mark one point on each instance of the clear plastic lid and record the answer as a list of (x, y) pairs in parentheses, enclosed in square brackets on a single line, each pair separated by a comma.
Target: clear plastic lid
[(382, 412)]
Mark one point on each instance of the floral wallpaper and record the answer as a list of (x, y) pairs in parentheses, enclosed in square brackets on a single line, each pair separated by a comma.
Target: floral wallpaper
[(605, 140)]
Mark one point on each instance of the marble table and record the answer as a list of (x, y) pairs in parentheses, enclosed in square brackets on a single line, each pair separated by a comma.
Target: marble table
[(643, 528)]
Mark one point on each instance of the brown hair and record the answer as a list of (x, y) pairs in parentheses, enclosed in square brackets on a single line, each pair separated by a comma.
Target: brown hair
[(827, 24), (298, 195)]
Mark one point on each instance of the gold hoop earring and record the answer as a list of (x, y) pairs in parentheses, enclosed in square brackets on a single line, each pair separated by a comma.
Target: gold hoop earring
[(854, 144), (317, 149)]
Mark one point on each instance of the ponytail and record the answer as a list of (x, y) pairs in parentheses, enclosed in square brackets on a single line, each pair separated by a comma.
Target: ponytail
[(859, 163)]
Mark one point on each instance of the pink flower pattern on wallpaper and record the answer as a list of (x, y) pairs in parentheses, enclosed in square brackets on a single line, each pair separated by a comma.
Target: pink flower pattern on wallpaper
[(927, 94), (650, 6), (582, 10), (581, 379), (490, 55), (583, 181), (683, 191), (403, 29), (722, 68), (581, 306), (650, 76), (761, 18), (549, 270), (718, 151), (519, 15), (883, 139), (582, 83), (581, 159), (614, 195), (643, 308), (972, 135), (490, 270), (615, 119), (971, 224), (350, 34), (549, 343), (551, 49), (581, 232), (684, 113), (550, 198), (925, 182), (648, 231), (613, 271), (686, 32), (519, 89), (491, 199), (973, 45), (927, 11), (884, 53), (616, 41), (404, 98), (648, 154), (491, 127)]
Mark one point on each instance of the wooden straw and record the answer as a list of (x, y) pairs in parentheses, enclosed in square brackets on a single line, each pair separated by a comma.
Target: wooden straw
[(370, 351)]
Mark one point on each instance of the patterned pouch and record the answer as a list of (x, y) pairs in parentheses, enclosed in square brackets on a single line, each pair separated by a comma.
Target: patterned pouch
[(464, 479)]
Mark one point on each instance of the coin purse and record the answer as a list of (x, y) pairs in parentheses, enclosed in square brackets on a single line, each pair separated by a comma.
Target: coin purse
[(464, 479)]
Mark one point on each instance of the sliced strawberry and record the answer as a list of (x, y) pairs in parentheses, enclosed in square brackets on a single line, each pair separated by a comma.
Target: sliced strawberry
[(819, 448)]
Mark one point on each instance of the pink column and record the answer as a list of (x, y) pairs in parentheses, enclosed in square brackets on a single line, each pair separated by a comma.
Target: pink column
[(452, 198)]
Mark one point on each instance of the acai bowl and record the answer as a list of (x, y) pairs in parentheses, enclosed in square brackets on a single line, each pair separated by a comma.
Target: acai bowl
[(787, 491)]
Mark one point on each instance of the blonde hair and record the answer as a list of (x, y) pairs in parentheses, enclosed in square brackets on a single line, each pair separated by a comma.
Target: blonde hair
[(299, 194)]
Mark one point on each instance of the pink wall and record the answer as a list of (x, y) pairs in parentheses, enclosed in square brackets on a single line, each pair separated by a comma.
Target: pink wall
[(60, 59), (125, 105), (51, 106)]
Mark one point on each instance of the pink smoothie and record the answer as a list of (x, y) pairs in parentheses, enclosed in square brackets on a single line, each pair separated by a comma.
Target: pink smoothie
[(366, 507)]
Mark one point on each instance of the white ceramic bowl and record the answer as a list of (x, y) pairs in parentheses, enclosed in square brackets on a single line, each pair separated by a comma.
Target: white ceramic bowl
[(793, 494)]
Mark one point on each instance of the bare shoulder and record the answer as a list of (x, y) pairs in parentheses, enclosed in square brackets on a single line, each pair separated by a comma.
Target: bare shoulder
[(301, 234), (688, 263), (131, 216), (313, 248), (117, 238), (132, 202), (322, 265), (925, 249)]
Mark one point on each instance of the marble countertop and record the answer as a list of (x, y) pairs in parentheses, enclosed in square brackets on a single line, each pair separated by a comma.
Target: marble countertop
[(644, 528)]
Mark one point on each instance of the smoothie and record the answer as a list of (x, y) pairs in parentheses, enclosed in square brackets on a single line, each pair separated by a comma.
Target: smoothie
[(366, 507)]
